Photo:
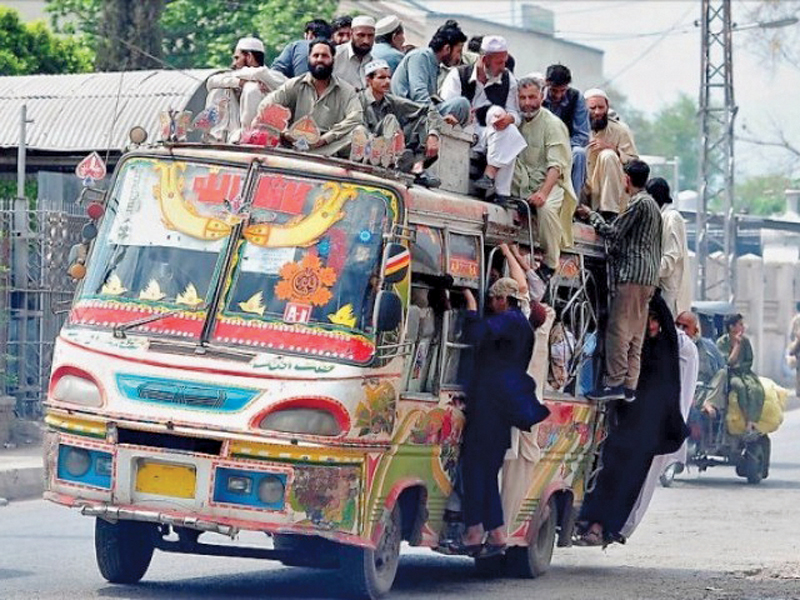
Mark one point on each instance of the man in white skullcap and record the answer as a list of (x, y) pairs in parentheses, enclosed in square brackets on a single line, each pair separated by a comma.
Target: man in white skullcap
[(389, 41), (611, 146), (420, 123), (351, 58), (237, 93), (492, 91)]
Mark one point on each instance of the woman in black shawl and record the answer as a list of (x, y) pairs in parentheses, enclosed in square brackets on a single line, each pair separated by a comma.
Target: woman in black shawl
[(650, 425)]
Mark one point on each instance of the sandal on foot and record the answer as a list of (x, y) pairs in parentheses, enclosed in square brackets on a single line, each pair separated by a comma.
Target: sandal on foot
[(459, 547), (492, 550), (589, 538)]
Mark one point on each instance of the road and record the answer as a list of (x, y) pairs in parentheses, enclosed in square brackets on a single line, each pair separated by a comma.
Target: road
[(711, 536)]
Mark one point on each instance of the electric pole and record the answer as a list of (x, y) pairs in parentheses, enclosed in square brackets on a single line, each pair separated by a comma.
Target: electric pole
[(717, 114)]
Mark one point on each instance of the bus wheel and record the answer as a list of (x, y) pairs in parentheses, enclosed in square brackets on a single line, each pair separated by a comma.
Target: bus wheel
[(367, 573), (531, 561), (755, 462), (123, 549)]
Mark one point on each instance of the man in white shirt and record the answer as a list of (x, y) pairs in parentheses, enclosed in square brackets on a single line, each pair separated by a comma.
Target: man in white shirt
[(352, 58), (674, 274), (492, 91), (237, 93)]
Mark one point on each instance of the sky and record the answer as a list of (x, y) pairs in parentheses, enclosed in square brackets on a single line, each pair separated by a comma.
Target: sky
[(652, 54)]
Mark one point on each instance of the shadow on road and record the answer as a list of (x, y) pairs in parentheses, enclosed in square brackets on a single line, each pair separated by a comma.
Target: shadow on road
[(719, 482)]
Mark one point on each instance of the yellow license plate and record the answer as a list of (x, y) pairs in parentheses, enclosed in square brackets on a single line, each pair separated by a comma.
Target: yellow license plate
[(177, 481)]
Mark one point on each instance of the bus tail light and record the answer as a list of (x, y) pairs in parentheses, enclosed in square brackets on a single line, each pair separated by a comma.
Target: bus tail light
[(74, 386), (305, 416)]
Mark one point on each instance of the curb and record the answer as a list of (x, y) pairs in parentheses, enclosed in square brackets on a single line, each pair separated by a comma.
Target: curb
[(22, 484)]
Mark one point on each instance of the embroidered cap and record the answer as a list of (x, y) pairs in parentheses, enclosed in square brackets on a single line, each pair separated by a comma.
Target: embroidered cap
[(387, 25), (363, 21), (250, 44), (492, 44), (505, 286), (375, 65)]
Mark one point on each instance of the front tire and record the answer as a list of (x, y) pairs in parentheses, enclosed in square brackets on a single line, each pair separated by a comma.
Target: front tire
[(668, 476), (534, 560), (367, 573), (123, 549)]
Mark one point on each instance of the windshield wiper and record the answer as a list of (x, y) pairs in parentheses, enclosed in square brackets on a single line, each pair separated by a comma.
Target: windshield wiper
[(119, 330)]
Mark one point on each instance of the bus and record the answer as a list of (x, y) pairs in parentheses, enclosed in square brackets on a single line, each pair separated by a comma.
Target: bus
[(257, 346)]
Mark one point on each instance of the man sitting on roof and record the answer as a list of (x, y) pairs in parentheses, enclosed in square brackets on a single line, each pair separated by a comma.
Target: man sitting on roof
[(389, 41), (293, 59), (341, 29), (610, 148), (491, 88), (417, 74), (331, 103), (420, 123), (542, 173), (352, 57), (237, 93)]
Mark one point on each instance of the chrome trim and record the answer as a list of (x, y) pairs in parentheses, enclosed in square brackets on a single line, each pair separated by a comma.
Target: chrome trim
[(115, 513)]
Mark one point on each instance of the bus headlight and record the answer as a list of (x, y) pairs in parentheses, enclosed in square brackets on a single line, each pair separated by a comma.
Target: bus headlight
[(310, 421), (271, 490), (74, 389), (77, 461)]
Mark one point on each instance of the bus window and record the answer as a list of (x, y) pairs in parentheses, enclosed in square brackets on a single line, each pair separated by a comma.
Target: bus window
[(463, 260), (427, 251)]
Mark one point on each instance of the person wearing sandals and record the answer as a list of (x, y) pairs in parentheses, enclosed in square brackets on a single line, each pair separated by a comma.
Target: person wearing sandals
[(650, 426), (501, 395)]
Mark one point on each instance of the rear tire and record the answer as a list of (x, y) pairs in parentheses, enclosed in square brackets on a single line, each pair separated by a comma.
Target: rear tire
[(668, 476), (369, 574), (753, 462), (534, 560), (123, 549)]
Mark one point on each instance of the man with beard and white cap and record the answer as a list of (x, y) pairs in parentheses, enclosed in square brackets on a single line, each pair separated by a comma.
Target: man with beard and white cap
[(237, 93), (389, 41), (331, 102), (610, 148), (492, 92), (351, 58)]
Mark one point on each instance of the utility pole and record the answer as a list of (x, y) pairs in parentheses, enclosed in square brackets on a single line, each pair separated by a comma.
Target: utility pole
[(717, 114)]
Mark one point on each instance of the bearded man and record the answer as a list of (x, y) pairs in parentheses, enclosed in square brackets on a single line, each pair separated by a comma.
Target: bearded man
[(542, 173), (351, 58), (610, 148), (331, 102)]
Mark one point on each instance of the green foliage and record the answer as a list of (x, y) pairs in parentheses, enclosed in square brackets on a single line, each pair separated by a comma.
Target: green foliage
[(764, 194), (8, 189), (31, 48), (202, 34)]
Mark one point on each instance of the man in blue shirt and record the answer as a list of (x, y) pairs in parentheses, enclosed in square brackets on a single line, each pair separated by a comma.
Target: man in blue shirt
[(416, 77), (568, 104), (389, 41), (293, 59)]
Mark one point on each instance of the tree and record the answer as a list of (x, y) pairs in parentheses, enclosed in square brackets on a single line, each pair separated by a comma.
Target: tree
[(203, 34), (129, 35), (31, 48), (777, 44), (764, 194)]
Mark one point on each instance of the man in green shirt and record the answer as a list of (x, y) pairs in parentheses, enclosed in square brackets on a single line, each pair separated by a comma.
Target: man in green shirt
[(738, 351)]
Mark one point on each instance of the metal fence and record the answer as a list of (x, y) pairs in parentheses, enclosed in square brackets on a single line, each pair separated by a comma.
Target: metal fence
[(35, 291)]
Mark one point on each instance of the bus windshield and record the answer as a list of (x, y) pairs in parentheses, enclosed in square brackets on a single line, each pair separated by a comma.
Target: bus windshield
[(308, 254)]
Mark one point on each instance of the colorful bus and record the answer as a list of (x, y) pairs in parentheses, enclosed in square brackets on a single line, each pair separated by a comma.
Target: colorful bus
[(256, 346)]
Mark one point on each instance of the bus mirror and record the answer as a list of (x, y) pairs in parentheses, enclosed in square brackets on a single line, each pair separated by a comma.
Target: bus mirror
[(90, 195), (396, 263), (388, 311), (77, 261)]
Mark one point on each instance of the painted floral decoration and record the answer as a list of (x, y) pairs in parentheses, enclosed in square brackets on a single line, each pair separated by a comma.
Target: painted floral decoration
[(376, 412), (327, 495), (306, 282)]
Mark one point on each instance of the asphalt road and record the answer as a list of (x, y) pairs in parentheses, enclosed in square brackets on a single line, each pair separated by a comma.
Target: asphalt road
[(711, 536)]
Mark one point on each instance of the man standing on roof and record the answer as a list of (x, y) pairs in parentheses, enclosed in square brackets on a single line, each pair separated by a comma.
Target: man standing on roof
[(389, 41), (417, 74), (541, 175), (351, 58), (568, 104), (293, 59), (237, 93), (341, 28), (490, 87), (420, 123), (332, 103), (634, 247), (610, 148), (674, 277)]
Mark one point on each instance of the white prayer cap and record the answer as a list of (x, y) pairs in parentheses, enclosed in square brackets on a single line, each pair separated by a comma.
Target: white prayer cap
[(375, 65), (250, 44), (595, 92), (493, 43), (387, 25), (363, 21)]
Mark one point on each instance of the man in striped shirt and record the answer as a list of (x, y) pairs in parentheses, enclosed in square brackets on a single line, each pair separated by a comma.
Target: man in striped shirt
[(634, 246)]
